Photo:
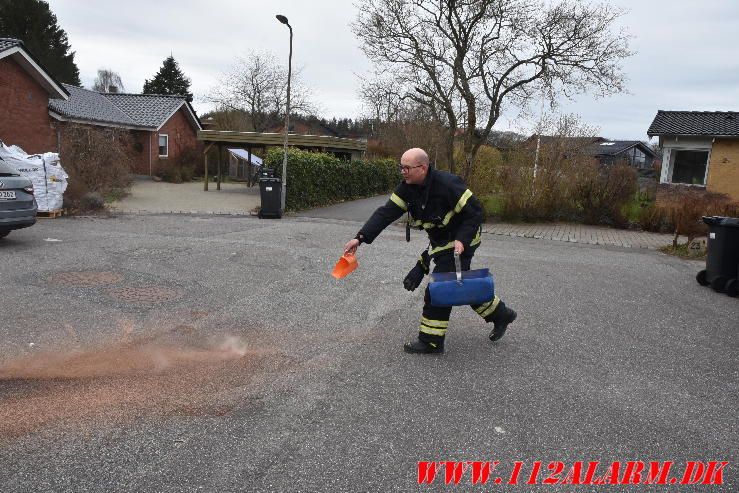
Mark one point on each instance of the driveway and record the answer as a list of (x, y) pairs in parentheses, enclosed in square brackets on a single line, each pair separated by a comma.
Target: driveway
[(186, 352), (149, 196)]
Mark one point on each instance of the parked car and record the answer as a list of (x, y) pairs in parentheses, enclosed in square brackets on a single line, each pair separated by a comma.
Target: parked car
[(17, 203)]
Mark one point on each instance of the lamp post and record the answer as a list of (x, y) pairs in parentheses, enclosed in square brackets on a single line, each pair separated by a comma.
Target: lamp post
[(283, 19)]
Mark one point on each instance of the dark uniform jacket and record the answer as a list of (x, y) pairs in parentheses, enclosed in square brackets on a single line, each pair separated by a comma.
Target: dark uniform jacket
[(442, 205)]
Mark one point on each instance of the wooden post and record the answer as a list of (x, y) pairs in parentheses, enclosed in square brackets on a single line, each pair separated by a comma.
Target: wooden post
[(251, 170), (220, 159), (205, 158)]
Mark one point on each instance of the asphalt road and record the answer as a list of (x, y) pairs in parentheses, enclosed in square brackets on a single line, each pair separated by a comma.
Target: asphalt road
[(353, 210), (250, 368)]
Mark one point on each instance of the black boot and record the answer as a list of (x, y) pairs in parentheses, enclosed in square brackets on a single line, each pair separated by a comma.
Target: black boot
[(420, 347), (501, 317)]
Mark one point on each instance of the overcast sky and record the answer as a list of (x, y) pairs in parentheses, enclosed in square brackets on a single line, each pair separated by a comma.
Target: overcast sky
[(687, 56)]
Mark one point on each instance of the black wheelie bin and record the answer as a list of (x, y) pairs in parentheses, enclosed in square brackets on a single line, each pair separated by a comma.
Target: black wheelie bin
[(270, 190), (722, 261)]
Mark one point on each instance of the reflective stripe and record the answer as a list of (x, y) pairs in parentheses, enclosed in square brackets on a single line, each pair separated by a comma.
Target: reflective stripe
[(420, 223), (435, 323), (463, 201), (444, 247), (449, 215), (399, 202), (488, 307), (457, 208), (433, 332), (447, 218), (477, 239), (484, 306), (433, 327)]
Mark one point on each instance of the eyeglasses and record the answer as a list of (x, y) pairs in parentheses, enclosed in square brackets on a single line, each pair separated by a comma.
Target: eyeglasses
[(407, 169)]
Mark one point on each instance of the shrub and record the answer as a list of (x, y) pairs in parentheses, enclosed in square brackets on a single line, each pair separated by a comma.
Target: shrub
[(680, 209), (603, 191), (96, 159), (316, 179), (492, 206), (568, 185), (484, 177), (180, 168)]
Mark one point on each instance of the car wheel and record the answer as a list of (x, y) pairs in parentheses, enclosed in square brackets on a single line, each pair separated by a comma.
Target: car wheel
[(4, 233)]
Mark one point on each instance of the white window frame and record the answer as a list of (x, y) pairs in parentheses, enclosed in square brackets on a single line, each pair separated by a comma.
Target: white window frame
[(673, 155), (672, 143), (166, 136)]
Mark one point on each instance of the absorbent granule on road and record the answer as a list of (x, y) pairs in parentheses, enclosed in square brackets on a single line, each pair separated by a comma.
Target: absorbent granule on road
[(122, 381)]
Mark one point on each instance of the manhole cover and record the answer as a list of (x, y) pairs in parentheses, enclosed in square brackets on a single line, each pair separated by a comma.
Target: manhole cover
[(85, 278), (144, 294)]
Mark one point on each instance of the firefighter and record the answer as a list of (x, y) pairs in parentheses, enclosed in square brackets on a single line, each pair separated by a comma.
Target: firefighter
[(442, 205)]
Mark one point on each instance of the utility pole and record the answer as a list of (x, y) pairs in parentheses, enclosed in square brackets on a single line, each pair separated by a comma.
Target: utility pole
[(283, 20)]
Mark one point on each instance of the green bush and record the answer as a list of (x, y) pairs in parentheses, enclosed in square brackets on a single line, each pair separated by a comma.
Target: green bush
[(316, 179), (603, 191), (484, 177), (492, 206), (179, 168)]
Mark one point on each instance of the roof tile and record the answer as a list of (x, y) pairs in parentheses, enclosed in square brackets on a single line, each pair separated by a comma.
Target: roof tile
[(147, 110), (139, 110), (89, 105), (7, 43), (614, 147), (715, 123)]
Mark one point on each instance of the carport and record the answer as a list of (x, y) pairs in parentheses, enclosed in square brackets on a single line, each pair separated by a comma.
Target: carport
[(349, 149)]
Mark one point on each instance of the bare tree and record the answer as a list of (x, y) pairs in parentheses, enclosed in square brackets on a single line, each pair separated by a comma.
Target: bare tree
[(107, 81), (381, 97), (257, 85), (468, 60), (398, 121)]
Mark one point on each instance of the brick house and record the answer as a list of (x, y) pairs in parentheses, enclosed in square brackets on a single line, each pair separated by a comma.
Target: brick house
[(161, 126), (25, 91), (35, 107), (701, 149)]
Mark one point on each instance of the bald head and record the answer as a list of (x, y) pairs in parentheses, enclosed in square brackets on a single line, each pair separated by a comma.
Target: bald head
[(415, 163), (415, 157)]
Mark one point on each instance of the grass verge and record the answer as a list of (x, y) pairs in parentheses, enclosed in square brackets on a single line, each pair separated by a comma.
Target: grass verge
[(683, 251)]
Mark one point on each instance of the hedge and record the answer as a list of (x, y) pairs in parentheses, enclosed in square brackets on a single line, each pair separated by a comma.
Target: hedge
[(316, 179)]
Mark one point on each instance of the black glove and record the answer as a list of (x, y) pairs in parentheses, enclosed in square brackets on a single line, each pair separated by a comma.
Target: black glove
[(416, 274)]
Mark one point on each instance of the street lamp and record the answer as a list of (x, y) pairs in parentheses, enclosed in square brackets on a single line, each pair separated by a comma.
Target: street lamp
[(283, 19)]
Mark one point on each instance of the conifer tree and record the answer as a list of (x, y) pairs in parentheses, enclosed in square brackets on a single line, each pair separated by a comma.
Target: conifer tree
[(32, 22), (169, 80)]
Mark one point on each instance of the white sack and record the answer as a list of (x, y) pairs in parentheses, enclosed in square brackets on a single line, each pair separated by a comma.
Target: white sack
[(45, 172)]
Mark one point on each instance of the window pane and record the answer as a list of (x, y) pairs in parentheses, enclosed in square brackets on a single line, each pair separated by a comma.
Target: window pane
[(639, 158), (690, 167), (162, 145)]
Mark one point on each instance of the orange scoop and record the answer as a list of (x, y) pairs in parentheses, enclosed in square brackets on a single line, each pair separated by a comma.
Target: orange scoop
[(344, 266)]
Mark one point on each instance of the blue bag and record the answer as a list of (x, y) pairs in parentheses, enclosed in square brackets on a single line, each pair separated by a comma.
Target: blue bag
[(470, 287)]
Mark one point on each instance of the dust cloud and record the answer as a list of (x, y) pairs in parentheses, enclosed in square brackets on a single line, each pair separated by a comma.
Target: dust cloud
[(124, 380)]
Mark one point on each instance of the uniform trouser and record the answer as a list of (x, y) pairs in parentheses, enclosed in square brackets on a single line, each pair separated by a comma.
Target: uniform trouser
[(435, 319)]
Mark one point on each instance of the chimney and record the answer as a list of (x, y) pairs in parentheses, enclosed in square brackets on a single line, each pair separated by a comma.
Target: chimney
[(112, 89)]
